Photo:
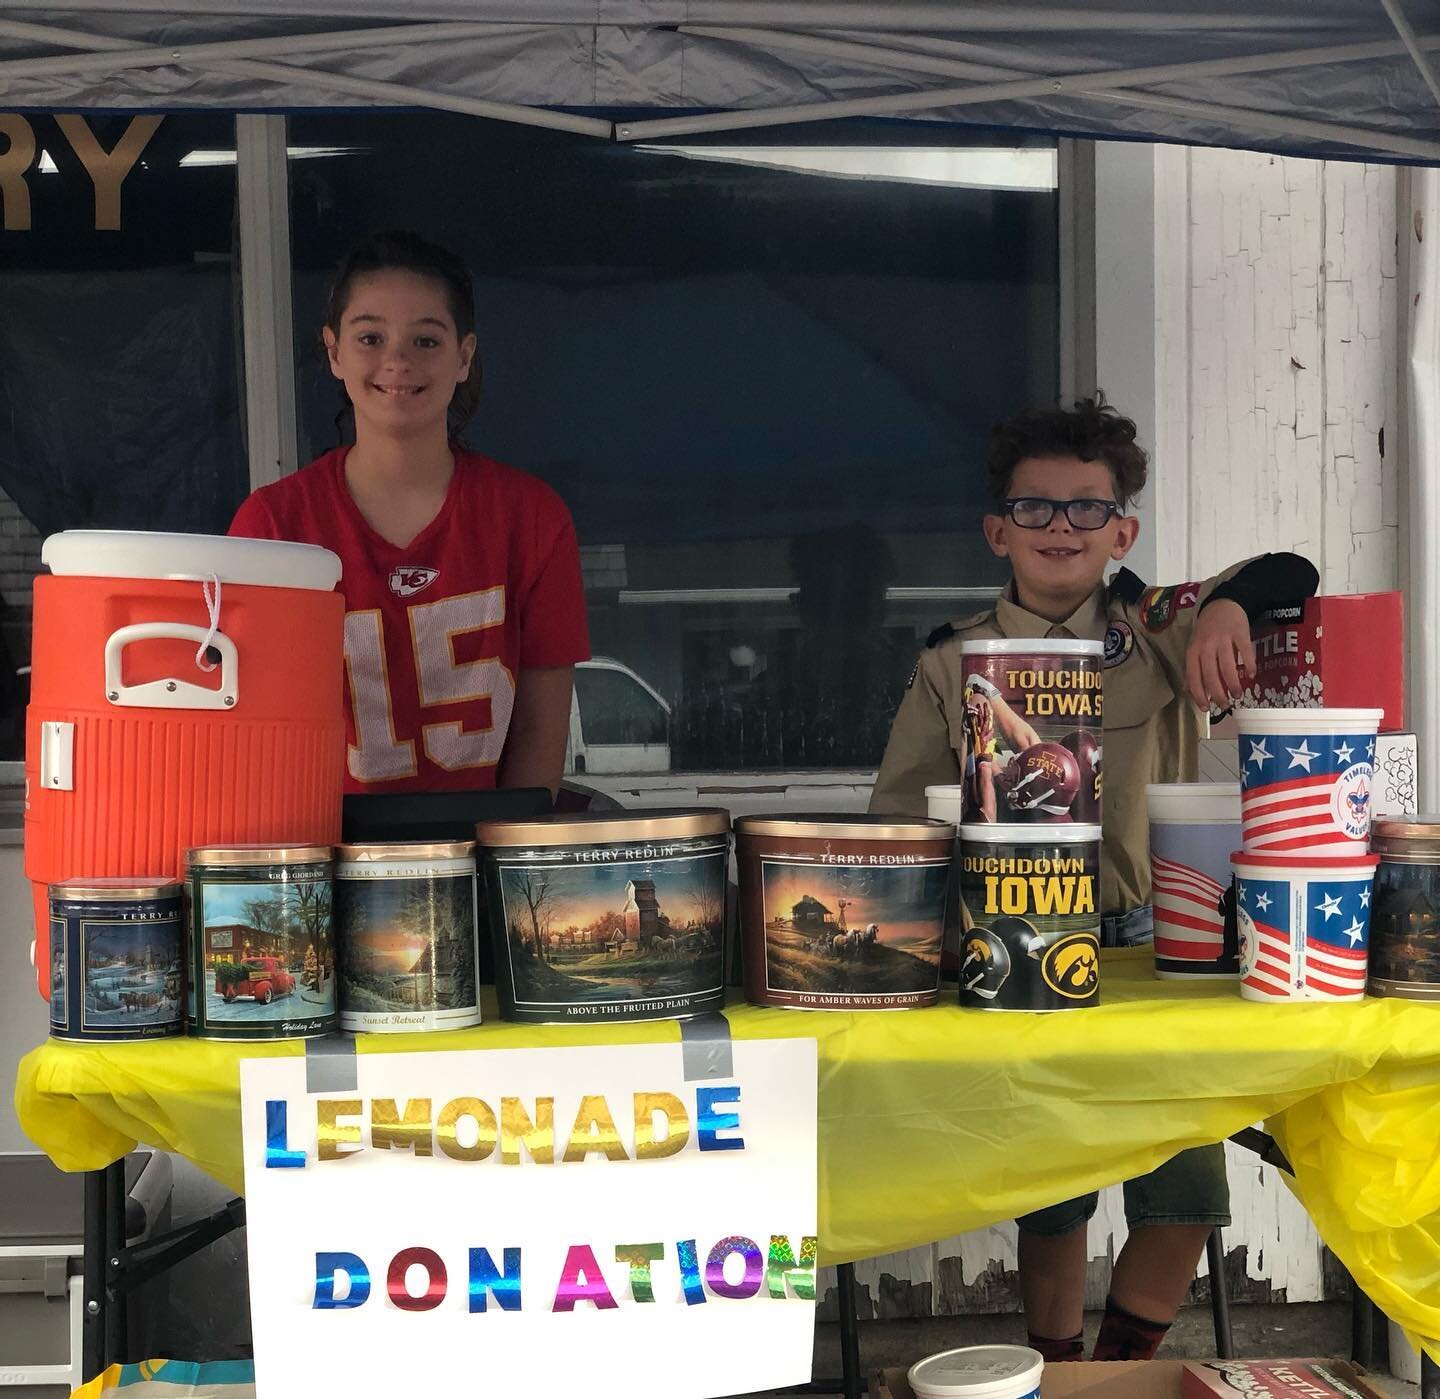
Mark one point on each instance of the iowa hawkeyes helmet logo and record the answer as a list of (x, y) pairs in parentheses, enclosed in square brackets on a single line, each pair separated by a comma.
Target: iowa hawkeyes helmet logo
[(986, 965), (1071, 967)]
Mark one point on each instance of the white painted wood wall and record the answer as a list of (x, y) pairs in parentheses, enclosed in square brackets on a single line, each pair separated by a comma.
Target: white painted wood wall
[(1246, 315)]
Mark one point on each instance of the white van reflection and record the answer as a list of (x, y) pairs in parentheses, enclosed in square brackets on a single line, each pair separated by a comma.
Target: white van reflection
[(618, 722)]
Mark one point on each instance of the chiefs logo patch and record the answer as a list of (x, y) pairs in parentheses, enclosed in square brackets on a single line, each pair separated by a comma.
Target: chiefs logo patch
[(1071, 967), (406, 582)]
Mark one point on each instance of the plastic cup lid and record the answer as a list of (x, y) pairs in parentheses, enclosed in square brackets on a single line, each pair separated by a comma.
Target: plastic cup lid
[(1193, 801), (980, 1372), (1302, 721), (1356, 865), (1037, 833), (1030, 646)]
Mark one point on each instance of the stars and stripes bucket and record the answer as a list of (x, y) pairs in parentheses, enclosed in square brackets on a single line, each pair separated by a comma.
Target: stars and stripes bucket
[(1305, 778), (1193, 828), (1304, 926)]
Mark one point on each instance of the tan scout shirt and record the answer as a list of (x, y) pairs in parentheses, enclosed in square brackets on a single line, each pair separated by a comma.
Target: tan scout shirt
[(1152, 728)]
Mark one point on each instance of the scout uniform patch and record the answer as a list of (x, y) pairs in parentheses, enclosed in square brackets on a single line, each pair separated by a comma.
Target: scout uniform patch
[(1119, 643)]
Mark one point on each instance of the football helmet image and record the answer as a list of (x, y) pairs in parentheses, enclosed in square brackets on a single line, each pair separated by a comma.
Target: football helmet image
[(986, 965), (1040, 783), (1088, 753), (990, 954)]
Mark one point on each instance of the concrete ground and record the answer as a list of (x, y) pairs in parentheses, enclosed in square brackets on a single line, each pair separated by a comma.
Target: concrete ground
[(1295, 1330)]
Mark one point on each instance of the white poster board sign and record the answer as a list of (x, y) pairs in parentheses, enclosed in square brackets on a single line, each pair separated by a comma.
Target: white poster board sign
[(544, 1221)]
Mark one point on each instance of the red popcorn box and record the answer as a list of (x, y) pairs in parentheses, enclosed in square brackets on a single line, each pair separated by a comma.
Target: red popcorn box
[(1337, 652), (1276, 1379)]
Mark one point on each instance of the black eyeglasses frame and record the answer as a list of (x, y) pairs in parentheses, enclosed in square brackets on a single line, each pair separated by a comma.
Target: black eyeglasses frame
[(1112, 509)]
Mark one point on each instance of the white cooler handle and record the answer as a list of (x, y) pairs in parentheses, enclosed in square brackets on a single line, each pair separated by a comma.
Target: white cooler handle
[(171, 694)]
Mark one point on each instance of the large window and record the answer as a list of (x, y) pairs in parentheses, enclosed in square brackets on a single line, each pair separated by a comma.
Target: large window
[(120, 398), (758, 369)]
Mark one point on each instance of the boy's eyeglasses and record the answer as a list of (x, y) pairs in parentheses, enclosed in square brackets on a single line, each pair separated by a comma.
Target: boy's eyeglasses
[(1035, 512)]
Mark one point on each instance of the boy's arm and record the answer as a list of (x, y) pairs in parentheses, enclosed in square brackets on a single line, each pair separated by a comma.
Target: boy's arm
[(919, 752), (1220, 653)]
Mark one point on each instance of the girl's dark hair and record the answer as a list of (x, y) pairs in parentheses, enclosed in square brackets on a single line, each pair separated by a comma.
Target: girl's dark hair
[(403, 251), (1092, 431)]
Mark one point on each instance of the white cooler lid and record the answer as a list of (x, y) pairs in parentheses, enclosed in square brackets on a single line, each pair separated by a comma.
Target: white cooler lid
[(270, 563)]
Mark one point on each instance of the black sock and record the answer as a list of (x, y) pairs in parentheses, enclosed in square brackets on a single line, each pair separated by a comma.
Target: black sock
[(1072, 1348), (1125, 1336)]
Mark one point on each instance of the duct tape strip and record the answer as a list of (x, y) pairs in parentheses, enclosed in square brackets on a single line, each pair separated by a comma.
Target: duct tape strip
[(330, 1065), (705, 1046)]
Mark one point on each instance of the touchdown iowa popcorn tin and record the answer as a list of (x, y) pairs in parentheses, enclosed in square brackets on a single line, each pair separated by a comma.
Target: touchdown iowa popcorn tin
[(1032, 936)]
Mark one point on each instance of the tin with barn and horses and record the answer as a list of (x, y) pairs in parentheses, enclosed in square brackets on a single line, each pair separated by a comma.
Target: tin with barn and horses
[(607, 916), (261, 962), (843, 912), (116, 960), (1032, 940)]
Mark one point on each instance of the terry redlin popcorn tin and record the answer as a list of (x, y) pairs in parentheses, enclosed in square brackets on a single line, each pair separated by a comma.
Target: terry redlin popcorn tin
[(405, 936), (1031, 900), (607, 916), (116, 959), (1033, 729), (843, 912), (1405, 918), (261, 962)]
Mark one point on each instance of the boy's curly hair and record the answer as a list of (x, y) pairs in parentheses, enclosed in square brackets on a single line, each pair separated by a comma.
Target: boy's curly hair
[(1093, 431)]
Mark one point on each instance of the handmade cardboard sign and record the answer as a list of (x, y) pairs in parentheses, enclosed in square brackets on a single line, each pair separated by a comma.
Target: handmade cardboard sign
[(537, 1221)]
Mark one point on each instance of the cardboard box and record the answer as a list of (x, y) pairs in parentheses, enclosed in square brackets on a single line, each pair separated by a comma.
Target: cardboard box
[(1171, 1379), (1342, 652)]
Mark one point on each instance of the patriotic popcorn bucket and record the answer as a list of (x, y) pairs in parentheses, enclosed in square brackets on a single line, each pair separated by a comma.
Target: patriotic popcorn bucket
[(1304, 926), (1193, 828), (1305, 777)]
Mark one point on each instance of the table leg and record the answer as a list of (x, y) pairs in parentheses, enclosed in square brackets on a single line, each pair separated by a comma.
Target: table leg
[(851, 1376), (116, 1307), (1362, 1327), (93, 1329), (1429, 1378), (1219, 1297)]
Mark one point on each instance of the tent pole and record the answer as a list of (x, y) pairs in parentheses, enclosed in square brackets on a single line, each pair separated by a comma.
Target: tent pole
[(1009, 84), (1420, 389), (403, 95), (1241, 117), (263, 203), (166, 55), (1413, 46), (937, 99), (394, 94)]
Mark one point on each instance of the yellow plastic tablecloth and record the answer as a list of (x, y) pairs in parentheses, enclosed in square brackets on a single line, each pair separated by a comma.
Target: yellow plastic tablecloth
[(938, 1121)]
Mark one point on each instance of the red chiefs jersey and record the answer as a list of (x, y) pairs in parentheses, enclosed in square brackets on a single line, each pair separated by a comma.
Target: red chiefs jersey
[(437, 632)]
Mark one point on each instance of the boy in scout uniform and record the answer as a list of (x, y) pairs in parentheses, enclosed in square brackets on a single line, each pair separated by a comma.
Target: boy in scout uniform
[(1061, 482)]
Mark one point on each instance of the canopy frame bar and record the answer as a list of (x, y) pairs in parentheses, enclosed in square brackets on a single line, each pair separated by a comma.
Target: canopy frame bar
[(167, 55), (1007, 83), (398, 94), (1413, 46), (1111, 86)]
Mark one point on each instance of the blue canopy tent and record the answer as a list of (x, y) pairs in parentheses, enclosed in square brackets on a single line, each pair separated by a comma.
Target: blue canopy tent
[(1333, 78)]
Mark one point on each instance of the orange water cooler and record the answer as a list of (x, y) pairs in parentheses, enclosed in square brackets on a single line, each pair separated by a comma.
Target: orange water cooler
[(185, 690)]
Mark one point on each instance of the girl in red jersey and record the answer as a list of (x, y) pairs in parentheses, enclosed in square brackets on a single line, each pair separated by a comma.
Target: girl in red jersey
[(465, 609)]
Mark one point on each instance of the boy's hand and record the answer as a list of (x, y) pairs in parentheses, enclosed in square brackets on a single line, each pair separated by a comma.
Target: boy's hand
[(1221, 655)]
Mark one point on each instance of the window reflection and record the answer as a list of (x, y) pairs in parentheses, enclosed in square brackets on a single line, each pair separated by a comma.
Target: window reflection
[(760, 372)]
